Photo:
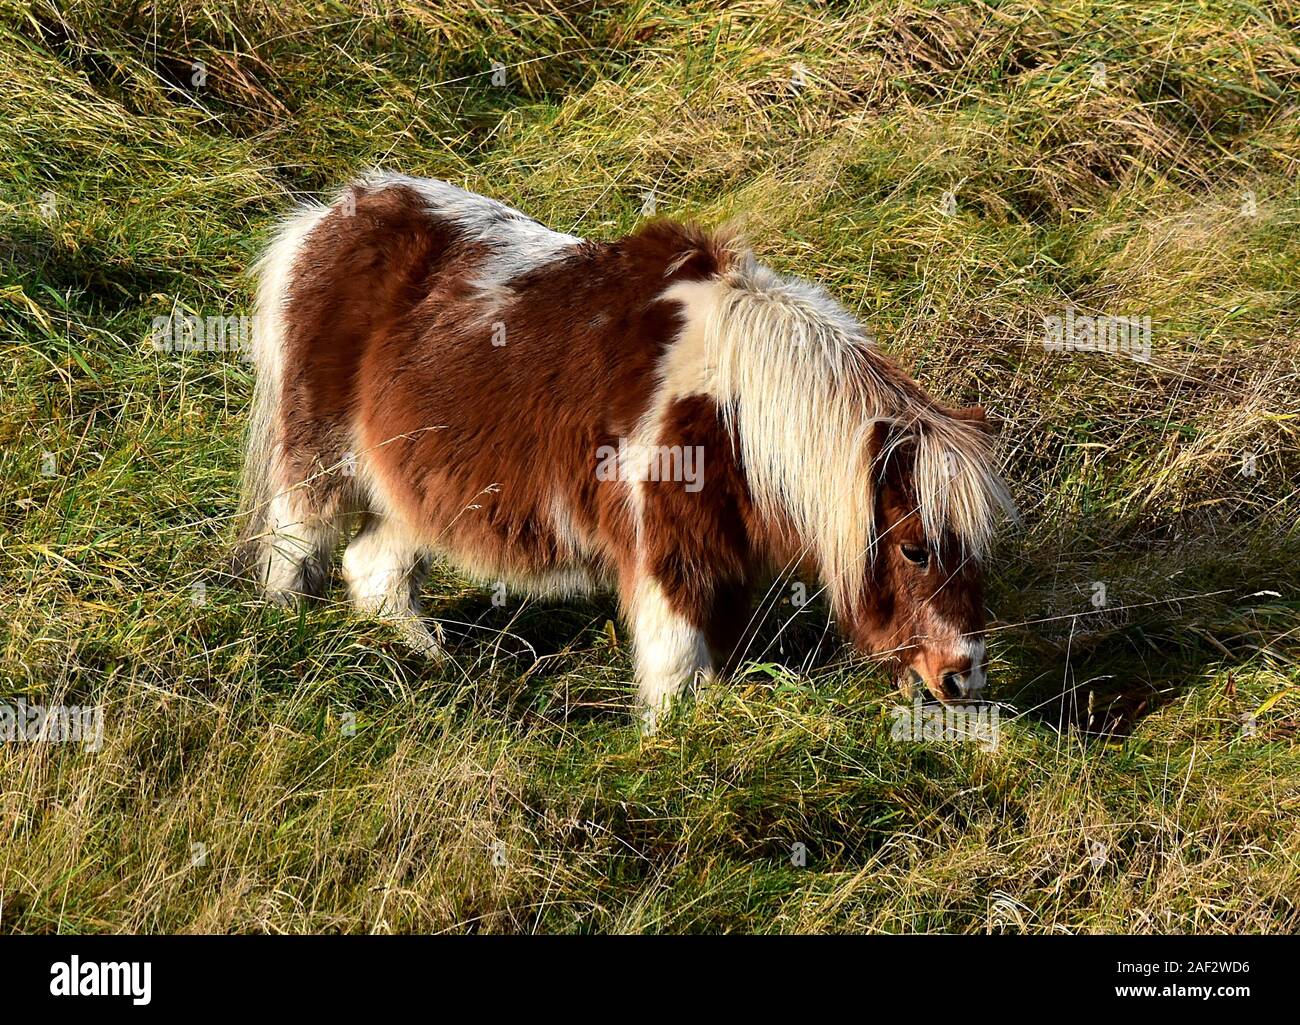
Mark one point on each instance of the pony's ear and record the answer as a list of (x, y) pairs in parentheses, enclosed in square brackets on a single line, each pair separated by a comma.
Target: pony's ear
[(891, 450), (974, 415), (877, 442)]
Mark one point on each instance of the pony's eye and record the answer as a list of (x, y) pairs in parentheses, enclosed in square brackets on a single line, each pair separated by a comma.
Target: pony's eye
[(918, 554)]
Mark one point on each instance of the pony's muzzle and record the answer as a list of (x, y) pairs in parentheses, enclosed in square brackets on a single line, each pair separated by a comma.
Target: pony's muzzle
[(953, 682)]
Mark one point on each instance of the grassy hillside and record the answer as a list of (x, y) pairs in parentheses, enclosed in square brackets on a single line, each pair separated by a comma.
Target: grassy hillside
[(953, 173)]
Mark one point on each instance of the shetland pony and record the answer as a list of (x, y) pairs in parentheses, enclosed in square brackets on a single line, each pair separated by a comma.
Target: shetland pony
[(661, 415)]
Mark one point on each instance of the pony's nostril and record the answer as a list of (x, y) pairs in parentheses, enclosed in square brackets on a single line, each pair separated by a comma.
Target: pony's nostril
[(954, 685)]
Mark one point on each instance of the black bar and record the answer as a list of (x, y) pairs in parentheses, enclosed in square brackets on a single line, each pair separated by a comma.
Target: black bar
[(359, 974)]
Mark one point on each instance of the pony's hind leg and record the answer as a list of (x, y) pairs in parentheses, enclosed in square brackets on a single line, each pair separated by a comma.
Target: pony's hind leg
[(296, 549), (384, 567)]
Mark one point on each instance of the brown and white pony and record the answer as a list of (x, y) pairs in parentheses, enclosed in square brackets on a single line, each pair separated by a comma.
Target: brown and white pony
[(660, 414)]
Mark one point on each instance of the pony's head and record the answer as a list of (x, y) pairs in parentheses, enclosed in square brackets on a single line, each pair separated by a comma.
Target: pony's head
[(892, 496), (920, 600)]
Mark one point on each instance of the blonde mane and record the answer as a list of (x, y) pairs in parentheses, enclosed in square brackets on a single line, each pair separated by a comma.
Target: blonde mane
[(801, 388)]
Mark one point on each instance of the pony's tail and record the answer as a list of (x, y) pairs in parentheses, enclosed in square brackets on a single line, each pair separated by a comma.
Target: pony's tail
[(262, 449)]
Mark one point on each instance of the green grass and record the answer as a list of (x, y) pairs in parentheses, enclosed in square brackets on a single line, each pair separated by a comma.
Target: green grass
[(265, 770)]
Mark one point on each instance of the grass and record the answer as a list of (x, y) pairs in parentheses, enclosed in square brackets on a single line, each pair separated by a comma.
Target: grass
[(264, 770)]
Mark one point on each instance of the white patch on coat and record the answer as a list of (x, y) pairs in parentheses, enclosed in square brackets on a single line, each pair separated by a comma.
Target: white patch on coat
[(682, 371), (569, 540), (518, 243)]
